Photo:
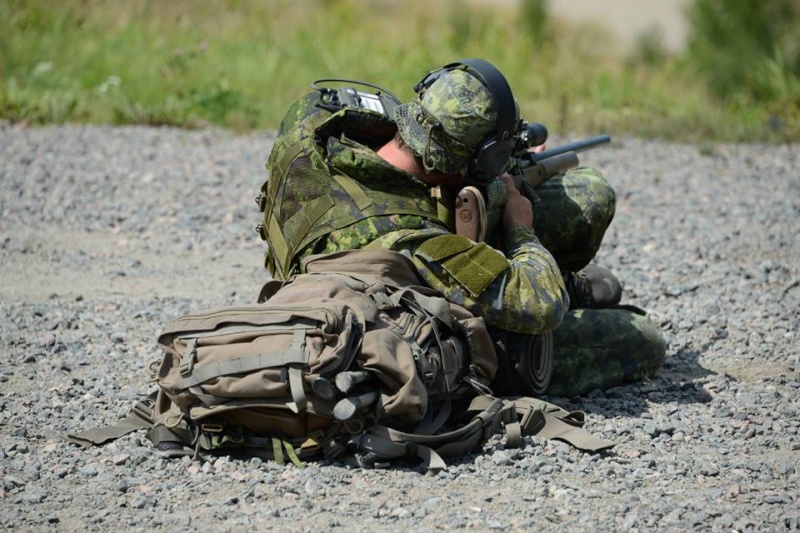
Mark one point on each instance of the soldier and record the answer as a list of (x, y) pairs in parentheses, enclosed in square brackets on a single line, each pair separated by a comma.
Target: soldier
[(356, 178)]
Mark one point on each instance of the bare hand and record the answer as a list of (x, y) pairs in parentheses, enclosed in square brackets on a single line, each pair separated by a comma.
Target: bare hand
[(518, 211)]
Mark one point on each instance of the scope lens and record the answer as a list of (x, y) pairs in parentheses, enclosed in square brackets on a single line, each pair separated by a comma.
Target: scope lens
[(537, 133)]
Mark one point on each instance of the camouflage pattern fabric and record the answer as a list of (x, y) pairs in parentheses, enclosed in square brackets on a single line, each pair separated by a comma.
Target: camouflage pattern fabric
[(572, 214), (604, 348), (528, 296), (317, 183), (593, 348), (519, 288)]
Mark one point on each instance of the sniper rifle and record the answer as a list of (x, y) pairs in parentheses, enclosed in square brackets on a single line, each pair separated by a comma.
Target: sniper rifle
[(479, 205)]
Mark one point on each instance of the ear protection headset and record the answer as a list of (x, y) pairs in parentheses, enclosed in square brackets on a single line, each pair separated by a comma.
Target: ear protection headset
[(492, 153)]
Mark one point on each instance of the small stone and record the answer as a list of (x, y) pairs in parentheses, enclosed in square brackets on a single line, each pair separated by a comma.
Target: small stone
[(88, 471), (401, 512), (120, 459)]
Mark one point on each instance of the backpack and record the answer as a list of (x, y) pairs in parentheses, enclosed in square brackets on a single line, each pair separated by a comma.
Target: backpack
[(351, 358)]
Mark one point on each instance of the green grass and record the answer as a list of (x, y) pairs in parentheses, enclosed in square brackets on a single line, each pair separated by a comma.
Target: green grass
[(239, 64)]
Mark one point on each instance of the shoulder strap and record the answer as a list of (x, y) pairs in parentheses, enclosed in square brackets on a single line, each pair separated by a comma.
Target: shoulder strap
[(520, 416)]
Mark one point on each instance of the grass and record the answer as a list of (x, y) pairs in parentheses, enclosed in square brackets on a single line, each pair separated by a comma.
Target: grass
[(239, 64)]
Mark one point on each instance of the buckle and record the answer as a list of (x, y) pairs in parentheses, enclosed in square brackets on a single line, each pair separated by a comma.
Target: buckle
[(190, 357), (261, 201)]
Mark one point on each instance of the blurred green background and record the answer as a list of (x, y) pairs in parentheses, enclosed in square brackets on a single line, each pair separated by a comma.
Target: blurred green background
[(239, 64)]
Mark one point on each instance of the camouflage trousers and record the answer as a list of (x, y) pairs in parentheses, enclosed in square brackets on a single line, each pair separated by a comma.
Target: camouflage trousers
[(604, 348), (593, 348), (571, 213)]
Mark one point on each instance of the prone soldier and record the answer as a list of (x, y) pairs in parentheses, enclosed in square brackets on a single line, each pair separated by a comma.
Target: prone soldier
[(358, 170)]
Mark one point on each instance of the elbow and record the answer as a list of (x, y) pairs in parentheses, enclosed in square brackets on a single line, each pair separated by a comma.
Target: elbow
[(552, 315), (537, 317)]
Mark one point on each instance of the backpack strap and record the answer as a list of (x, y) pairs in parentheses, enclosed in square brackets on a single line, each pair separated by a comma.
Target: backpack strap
[(140, 418), (388, 443), (548, 421), (520, 416)]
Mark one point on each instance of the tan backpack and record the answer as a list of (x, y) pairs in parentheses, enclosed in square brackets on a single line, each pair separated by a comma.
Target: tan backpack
[(353, 356)]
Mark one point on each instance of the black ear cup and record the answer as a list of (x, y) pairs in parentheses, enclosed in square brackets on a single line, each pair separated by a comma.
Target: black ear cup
[(491, 158), (492, 155)]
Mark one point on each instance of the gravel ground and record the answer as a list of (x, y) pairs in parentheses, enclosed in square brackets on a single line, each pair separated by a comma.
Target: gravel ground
[(108, 233)]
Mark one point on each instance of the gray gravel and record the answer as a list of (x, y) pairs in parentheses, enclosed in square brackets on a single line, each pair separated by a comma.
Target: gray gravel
[(107, 233)]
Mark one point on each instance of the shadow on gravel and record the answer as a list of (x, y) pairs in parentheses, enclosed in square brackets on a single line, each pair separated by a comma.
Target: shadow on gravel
[(679, 380)]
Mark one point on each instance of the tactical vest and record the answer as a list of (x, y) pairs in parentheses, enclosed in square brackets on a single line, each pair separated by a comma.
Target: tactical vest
[(306, 197)]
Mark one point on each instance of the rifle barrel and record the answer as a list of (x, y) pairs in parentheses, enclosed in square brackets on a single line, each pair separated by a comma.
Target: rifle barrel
[(577, 146)]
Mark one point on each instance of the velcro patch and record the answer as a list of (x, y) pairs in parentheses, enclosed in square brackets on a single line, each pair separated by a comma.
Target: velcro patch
[(473, 266)]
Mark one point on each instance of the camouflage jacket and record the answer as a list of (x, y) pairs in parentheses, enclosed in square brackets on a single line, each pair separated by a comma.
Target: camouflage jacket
[(521, 290)]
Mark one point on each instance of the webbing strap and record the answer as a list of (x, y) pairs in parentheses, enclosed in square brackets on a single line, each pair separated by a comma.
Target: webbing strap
[(248, 363), (198, 412), (354, 190), (547, 426), (434, 305), (389, 443), (296, 387), (387, 449), (189, 356), (277, 451), (141, 417), (531, 416), (298, 322), (513, 435), (206, 399), (278, 447), (277, 243), (164, 433), (311, 213), (431, 424)]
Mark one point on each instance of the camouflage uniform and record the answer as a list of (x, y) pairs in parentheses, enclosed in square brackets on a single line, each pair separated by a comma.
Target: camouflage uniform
[(519, 287)]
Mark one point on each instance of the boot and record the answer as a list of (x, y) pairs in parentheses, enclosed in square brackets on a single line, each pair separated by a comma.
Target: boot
[(593, 287)]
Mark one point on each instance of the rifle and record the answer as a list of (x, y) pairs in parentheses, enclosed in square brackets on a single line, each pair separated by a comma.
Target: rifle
[(535, 168), (479, 206)]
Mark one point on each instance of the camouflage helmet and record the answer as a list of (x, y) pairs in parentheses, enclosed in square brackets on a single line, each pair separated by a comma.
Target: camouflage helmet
[(447, 122)]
